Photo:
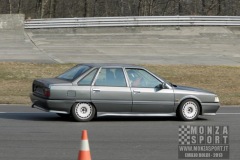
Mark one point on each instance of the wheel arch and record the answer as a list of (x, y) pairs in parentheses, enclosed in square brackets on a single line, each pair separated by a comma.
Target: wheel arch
[(189, 98)]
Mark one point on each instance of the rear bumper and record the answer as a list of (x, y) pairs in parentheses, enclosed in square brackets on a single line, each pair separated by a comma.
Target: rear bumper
[(47, 105), (209, 109)]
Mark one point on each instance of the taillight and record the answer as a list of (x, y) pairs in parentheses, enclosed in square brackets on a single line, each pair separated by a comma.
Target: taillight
[(46, 92)]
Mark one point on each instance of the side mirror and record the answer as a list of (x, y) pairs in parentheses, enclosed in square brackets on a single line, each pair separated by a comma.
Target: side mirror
[(164, 86), (160, 86)]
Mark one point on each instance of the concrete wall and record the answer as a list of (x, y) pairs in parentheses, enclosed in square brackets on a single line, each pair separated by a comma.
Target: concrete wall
[(11, 21)]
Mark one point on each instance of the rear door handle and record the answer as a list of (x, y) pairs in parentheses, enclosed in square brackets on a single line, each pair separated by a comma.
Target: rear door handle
[(136, 91)]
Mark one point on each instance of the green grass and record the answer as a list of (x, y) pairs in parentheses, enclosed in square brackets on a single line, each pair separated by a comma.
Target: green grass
[(16, 79)]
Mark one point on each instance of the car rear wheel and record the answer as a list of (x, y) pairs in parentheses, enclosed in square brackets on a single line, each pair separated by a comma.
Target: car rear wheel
[(189, 110), (83, 112)]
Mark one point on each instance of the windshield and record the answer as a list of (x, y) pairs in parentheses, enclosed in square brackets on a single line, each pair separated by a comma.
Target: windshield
[(74, 72)]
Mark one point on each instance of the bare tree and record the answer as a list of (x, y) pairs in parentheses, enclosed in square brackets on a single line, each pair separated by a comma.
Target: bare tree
[(179, 7), (52, 8), (203, 7), (139, 7), (10, 6), (85, 8), (19, 6), (43, 7), (219, 7), (210, 8), (165, 8), (94, 7)]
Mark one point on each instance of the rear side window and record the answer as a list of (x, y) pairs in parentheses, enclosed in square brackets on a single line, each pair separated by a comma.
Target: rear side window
[(74, 72), (112, 77), (87, 80)]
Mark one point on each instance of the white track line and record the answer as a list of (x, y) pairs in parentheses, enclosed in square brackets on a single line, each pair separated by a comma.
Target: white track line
[(49, 112), (228, 113), (25, 112)]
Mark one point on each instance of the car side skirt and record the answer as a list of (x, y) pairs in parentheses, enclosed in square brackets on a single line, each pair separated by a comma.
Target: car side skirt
[(102, 114)]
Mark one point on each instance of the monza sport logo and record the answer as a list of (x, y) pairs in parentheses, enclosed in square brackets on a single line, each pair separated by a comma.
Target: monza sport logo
[(203, 142)]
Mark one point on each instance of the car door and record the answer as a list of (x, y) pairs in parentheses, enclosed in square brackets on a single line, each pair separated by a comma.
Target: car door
[(110, 92), (82, 91), (147, 93)]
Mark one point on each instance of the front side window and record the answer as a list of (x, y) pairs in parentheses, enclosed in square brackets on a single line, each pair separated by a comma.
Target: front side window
[(112, 77), (142, 79), (74, 72)]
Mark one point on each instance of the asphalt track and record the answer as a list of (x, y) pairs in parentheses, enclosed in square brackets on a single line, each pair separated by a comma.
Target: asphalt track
[(29, 134)]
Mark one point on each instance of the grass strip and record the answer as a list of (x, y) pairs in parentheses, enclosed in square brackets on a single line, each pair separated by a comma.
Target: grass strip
[(16, 79)]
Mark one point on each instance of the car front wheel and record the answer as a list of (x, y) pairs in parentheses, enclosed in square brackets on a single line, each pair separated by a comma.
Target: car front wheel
[(83, 112), (189, 110)]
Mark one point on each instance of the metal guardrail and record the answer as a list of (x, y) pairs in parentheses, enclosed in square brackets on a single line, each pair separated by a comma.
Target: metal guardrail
[(133, 21)]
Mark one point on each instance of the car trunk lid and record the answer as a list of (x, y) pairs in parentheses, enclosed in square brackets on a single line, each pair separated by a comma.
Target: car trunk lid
[(41, 87)]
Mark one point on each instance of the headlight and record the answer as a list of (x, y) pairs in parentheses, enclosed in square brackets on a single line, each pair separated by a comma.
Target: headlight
[(216, 99)]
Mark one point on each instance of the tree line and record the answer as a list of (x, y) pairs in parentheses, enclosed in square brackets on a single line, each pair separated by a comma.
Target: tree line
[(106, 8)]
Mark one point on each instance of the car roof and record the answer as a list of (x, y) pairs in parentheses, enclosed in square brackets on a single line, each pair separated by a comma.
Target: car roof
[(110, 65)]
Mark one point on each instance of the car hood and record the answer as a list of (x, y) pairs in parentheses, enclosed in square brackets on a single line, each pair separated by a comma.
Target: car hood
[(186, 88)]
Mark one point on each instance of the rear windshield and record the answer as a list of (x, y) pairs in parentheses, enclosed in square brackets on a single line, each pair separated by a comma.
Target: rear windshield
[(73, 73)]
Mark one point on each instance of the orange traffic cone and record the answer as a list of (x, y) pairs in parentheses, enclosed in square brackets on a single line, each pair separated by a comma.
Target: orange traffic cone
[(84, 152)]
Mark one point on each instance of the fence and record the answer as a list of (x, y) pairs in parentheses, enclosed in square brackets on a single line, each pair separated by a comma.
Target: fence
[(133, 21)]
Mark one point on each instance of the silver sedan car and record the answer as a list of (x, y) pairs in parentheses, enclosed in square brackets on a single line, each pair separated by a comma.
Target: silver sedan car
[(94, 90)]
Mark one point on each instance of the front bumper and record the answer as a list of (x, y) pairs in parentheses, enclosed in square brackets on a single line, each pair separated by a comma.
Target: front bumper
[(210, 108), (48, 105)]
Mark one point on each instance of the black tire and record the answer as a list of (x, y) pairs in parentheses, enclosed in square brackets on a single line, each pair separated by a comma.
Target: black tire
[(83, 112), (188, 110)]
